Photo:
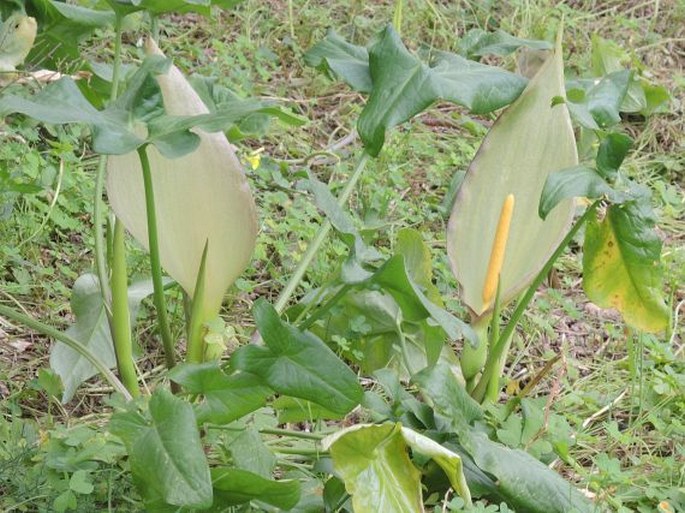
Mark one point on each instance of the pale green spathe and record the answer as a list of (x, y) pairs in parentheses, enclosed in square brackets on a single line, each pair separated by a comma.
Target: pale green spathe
[(531, 139), (202, 196)]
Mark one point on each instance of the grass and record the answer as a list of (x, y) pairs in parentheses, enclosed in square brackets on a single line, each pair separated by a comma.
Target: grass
[(621, 393)]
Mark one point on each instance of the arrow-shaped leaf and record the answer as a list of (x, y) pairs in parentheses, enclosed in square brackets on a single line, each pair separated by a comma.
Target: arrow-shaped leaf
[(403, 86), (298, 364)]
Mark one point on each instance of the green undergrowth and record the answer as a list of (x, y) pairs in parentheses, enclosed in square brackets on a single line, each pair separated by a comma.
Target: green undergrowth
[(608, 407)]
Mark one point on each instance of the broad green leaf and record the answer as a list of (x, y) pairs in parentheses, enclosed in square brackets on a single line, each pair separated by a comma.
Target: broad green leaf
[(403, 86), (657, 98), (607, 57), (62, 102), (525, 483), (249, 452), (394, 279), (298, 364), (92, 330), (81, 483), (440, 387), (596, 104), (234, 486), (621, 265), (247, 116), (202, 197), (348, 62), (531, 139), (477, 43), (166, 456), (577, 181), (374, 464), (613, 149), (225, 398), (449, 461)]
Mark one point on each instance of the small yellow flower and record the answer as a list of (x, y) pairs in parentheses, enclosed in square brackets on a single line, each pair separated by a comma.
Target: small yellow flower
[(254, 159)]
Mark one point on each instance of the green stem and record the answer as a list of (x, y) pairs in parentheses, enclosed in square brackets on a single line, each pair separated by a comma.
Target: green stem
[(318, 240), (498, 350), (98, 211), (473, 359), (299, 452), (325, 308), (273, 431), (121, 316), (155, 260), (70, 342)]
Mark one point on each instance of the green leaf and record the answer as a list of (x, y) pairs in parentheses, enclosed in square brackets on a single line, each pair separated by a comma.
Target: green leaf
[(608, 57), (418, 262), (165, 452), (448, 460), (525, 483), (573, 182), (250, 453), (80, 483), (65, 501), (441, 388), (531, 139), (613, 149), (241, 117), (657, 98), (341, 221), (225, 398), (92, 330), (621, 265), (374, 464), (234, 486), (394, 279), (61, 103), (597, 104), (298, 364), (477, 43), (403, 86), (345, 61)]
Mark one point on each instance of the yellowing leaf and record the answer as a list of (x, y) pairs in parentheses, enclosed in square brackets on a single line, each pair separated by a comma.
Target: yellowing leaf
[(621, 267), (202, 196), (530, 140)]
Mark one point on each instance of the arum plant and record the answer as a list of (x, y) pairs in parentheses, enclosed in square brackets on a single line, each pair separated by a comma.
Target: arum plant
[(495, 239), (399, 85), (528, 165), (157, 118), (193, 213)]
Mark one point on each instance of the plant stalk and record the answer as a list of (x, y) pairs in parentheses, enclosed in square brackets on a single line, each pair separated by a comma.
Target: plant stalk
[(155, 260), (70, 342), (502, 344), (318, 240), (98, 211), (121, 316)]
